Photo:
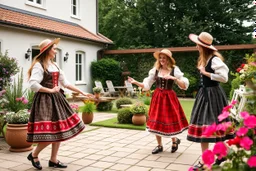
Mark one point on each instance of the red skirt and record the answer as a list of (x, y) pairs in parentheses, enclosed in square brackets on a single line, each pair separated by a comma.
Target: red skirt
[(166, 116)]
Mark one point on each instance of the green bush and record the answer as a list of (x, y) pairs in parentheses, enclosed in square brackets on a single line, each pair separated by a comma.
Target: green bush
[(124, 116), (104, 106), (106, 69), (235, 83), (123, 101)]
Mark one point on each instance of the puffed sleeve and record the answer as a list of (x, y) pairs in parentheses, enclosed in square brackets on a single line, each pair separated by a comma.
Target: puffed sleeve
[(220, 70), (180, 75), (149, 81), (62, 79), (36, 77)]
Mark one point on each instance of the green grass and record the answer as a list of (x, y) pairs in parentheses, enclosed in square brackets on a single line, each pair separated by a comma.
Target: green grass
[(186, 105), (112, 123)]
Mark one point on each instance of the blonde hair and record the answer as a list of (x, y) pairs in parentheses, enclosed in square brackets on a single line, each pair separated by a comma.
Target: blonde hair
[(206, 54), (41, 59), (170, 62)]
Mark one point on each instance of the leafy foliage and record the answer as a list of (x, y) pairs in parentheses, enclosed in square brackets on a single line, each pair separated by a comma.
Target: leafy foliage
[(123, 101), (96, 89), (88, 107), (8, 68), (104, 106), (124, 116), (106, 69), (17, 98), (139, 108)]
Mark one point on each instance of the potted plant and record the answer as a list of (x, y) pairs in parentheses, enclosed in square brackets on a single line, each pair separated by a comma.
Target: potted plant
[(16, 130), (96, 91), (139, 112), (87, 111)]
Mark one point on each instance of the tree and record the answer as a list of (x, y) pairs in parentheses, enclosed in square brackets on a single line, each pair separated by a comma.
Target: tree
[(130, 23)]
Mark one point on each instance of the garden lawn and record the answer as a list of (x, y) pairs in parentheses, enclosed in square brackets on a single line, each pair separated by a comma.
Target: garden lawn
[(187, 105)]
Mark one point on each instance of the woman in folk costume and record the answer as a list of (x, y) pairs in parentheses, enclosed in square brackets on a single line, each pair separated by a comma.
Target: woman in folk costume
[(51, 119), (166, 116), (211, 98)]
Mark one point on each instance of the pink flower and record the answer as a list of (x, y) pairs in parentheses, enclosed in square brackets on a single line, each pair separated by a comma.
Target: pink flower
[(191, 169), (208, 158), (25, 101), (250, 122), (252, 161), (233, 102), (220, 150), (227, 108), (223, 115), (244, 115), (242, 131), (209, 130), (246, 143), (18, 99), (221, 127)]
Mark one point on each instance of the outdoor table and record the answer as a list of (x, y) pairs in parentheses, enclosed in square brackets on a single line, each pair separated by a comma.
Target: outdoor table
[(121, 90)]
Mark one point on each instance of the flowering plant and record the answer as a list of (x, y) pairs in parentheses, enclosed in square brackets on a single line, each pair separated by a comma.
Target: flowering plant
[(75, 107), (8, 68), (96, 89), (88, 107), (145, 96), (21, 117), (247, 71), (138, 108), (240, 152)]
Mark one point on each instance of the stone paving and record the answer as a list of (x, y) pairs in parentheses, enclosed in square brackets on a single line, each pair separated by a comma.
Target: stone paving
[(109, 149)]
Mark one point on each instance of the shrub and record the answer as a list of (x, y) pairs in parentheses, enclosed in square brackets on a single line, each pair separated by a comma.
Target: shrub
[(21, 117), (8, 68), (122, 101), (106, 69), (104, 106), (124, 116)]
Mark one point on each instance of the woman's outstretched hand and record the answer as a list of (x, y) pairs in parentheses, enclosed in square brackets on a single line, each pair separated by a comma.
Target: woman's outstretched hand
[(131, 80), (88, 95)]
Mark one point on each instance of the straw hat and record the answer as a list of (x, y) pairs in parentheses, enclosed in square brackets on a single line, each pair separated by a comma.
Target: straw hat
[(204, 39), (45, 44), (164, 51)]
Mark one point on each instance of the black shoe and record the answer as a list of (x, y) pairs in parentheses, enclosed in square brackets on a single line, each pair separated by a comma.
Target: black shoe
[(57, 165), (35, 164), (199, 166), (157, 149), (176, 143), (219, 161)]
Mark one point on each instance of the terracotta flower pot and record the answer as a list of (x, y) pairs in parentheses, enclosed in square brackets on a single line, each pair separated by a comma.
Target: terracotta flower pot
[(97, 95), (138, 119), (16, 136), (87, 117)]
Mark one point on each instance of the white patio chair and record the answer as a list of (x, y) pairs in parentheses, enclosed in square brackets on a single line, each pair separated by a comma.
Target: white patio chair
[(111, 88), (103, 92), (130, 89)]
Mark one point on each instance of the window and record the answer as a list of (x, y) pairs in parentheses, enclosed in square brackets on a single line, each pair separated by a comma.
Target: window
[(36, 3), (75, 8), (80, 63)]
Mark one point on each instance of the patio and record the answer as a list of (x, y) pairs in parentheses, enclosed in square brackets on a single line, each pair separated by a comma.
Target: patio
[(99, 148)]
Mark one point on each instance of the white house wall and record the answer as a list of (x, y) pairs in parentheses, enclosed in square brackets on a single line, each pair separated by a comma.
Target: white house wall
[(17, 42), (61, 9)]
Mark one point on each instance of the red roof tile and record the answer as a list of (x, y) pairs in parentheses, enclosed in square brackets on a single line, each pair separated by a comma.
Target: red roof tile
[(27, 20)]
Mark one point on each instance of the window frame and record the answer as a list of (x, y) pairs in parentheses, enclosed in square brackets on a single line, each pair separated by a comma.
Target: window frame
[(80, 73), (77, 9), (35, 4)]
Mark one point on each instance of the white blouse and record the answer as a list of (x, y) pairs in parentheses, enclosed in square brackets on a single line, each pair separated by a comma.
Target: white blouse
[(37, 75), (149, 81), (220, 70)]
